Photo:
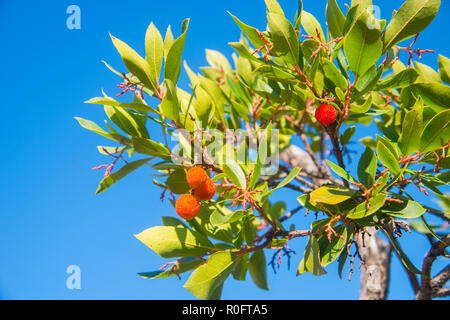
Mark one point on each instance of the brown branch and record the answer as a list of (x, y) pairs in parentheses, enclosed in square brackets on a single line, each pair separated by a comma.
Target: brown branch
[(438, 249)]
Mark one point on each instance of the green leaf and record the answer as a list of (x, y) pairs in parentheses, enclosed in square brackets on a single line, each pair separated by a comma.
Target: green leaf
[(92, 126), (177, 183), (116, 176), (151, 148), (407, 210), (426, 73), (341, 172), (125, 121), (399, 80), (208, 277), (294, 172), (444, 68), (367, 167), (435, 95), (174, 242), (108, 101), (170, 106), (347, 135), (188, 264), (172, 66), (361, 210), (250, 32), (241, 268), (429, 229), (388, 158), (331, 194), (137, 65), (274, 7), (409, 141), (412, 17), (284, 37), (401, 254), (437, 132), (168, 41), (154, 50), (234, 172), (310, 24), (362, 45), (311, 259), (330, 251), (332, 72), (257, 269), (335, 19), (298, 15), (172, 222)]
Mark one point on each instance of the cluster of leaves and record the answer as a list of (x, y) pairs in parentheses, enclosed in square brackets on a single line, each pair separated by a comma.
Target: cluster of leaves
[(279, 76)]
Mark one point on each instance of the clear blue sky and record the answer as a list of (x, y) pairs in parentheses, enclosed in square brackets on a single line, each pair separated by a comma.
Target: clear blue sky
[(49, 215)]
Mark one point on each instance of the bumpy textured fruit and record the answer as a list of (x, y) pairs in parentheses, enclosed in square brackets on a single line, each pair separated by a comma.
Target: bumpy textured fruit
[(206, 191), (196, 177), (187, 206), (325, 114)]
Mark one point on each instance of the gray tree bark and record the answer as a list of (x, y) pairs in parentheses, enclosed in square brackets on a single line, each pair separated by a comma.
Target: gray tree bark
[(376, 255)]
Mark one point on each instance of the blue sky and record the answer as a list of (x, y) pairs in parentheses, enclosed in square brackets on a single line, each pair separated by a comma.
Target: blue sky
[(50, 217)]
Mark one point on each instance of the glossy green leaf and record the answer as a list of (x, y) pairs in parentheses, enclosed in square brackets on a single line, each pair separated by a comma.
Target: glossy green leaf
[(208, 277), (330, 251), (137, 65), (362, 45), (436, 132), (154, 50), (177, 183), (234, 172), (335, 19), (274, 7), (407, 210), (284, 37), (399, 80), (92, 126), (361, 211), (412, 17), (436, 95), (341, 172), (367, 167), (250, 32), (444, 68), (332, 72), (122, 172), (401, 254), (311, 259), (170, 106), (388, 158), (409, 141), (187, 264), (311, 25), (172, 65), (331, 194), (258, 270), (151, 148), (174, 242)]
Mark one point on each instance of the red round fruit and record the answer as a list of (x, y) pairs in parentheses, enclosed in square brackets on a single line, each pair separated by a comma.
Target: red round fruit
[(187, 206), (325, 114), (196, 177), (206, 191)]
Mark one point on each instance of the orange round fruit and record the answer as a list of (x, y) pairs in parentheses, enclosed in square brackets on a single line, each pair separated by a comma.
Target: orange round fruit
[(325, 114), (206, 191), (196, 177), (187, 206)]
